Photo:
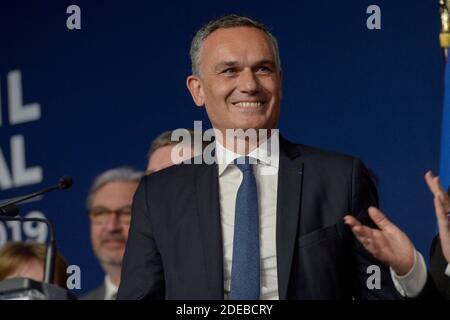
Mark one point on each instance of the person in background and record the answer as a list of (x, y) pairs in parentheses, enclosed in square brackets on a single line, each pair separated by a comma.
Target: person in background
[(26, 260), (109, 209), (160, 153)]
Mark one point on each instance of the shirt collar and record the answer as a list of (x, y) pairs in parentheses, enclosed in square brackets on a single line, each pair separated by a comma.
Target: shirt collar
[(266, 154), (110, 288)]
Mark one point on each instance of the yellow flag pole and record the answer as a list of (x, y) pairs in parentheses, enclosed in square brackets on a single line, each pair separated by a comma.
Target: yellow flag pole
[(444, 36)]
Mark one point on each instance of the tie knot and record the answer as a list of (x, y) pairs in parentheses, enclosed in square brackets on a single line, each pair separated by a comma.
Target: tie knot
[(244, 163)]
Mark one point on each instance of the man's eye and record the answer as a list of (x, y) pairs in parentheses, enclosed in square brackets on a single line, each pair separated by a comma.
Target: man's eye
[(264, 69), (98, 213), (124, 212), (229, 71)]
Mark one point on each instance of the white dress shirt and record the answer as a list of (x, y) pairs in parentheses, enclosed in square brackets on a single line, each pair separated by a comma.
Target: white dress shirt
[(447, 270), (266, 176), (410, 284), (110, 289)]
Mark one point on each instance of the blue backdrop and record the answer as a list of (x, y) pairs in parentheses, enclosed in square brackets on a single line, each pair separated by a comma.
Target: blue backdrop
[(105, 91)]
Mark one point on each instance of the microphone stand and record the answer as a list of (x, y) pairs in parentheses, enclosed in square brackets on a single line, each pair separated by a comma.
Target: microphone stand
[(9, 211), (50, 252)]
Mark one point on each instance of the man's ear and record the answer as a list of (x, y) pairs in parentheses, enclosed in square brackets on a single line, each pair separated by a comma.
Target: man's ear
[(195, 87)]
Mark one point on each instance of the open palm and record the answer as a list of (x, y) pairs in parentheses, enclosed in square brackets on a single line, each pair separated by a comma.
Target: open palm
[(388, 244), (442, 209)]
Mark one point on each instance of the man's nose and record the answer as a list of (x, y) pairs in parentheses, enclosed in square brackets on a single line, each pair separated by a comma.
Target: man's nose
[(112, 223), (248, 82)]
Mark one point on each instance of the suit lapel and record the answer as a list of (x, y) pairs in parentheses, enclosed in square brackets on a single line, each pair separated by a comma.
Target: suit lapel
[(290, 177), (207, 194)]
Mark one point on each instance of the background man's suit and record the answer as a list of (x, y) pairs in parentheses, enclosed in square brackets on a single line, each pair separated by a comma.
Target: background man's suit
[(174, 249), (96, 294)]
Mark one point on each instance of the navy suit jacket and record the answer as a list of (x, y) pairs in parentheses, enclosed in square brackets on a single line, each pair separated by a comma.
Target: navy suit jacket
[(174, 249)]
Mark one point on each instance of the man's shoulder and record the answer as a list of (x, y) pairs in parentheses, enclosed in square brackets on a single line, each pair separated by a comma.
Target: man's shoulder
[(180, 171), (176, 177), (326, 163), (320, 156), (310, 151)]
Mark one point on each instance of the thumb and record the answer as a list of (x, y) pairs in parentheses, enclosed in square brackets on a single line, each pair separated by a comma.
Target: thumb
[(379, 218)]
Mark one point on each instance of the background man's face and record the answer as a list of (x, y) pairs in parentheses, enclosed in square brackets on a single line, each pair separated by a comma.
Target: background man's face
[(110, 215), (240, 82), (160, 159)]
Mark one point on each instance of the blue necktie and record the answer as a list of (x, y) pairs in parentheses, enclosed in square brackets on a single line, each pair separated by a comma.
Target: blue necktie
[(245, 271)]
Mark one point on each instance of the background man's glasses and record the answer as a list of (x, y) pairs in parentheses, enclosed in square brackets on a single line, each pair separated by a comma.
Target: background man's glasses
[(101, 215)]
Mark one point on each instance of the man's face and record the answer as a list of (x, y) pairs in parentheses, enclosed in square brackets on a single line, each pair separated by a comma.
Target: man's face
[(110, 215), (160, 159), (240, 85)]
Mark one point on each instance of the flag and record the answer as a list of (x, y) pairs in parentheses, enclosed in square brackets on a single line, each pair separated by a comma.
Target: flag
[(444, 170)]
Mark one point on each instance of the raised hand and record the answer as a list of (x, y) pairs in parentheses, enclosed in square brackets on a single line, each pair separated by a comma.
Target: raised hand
[(442, 209), (389, 244)]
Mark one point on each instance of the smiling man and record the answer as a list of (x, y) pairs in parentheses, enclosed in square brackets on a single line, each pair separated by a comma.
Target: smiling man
[(227, 230), (109, 209)]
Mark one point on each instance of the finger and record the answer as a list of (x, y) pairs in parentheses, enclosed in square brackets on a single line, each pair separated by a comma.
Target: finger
[(362, 231), (438, 191), (370, 239), (367, 243), (379, 218), (445, 199), (370, 244), (443, 222), (364, 240), (351, 221), (430, 178), (441, 215), (434, 184), (364, 234), (441, 188)]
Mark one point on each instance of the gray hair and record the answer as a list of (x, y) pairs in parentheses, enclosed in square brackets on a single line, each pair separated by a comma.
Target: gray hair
[(164, 139), (122, 174), (228, 21)]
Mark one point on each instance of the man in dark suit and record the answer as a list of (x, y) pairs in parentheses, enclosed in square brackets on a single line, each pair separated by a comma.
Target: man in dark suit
[(273, 229)]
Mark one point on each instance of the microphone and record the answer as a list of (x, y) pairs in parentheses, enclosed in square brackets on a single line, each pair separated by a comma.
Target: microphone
[(65, 182), (8, 209)]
